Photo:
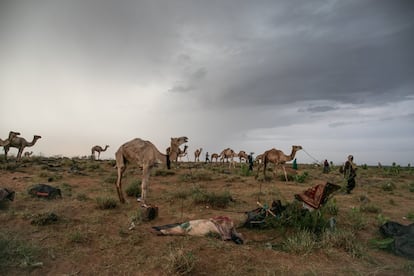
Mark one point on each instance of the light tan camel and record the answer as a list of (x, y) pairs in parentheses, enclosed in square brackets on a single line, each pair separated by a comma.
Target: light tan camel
[(181, 153), (277, 157), (197, 154), (146, 155), (214, 156), (6, 142), (20, 143), (98, 149), (259, 159), (227, 154), (27, 154), (242, 155)]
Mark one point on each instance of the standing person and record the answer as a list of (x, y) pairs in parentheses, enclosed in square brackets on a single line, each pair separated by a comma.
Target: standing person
[(295, 164), (250, 159), (350, 173), (326, 168), (207, 157)]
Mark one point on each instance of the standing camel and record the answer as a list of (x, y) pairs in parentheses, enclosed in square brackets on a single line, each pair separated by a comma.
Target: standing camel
[(277, 157), (242, 155), (181, 153), (27, 154), (227, 154), (214, 156), (146, 155), (259, 159), (6, 142), (20, 143), (197, 154), (98, 149)]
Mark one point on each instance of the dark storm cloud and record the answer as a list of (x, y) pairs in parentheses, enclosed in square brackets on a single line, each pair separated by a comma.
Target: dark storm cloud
[(354, 52), (318, 109)]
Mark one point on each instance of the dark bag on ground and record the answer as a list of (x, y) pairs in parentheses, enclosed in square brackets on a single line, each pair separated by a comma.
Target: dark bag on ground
[(403, 235), (149, 212), (6, 194), (45, 191)]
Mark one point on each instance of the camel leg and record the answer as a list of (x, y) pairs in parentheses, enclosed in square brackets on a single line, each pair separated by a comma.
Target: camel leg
[(144, 184), (19, 154), (6, 150), (284, 170), (121, 170)]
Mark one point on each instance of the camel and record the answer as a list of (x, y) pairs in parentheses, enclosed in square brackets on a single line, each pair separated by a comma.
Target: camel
[(146, 155), (214, 156), (226, 154), (197, 154), (6, 142), (259, 159), (27, 154), (242, 155), (181, 153), (20, 143), (98, 149), (277, 157)]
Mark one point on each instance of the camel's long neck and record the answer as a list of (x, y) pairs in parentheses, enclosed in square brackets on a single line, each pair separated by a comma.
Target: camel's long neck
[(105, 148), (292, 154), (32, 142)]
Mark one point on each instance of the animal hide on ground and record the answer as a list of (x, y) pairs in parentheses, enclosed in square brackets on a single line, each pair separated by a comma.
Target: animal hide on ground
[(223, 226), (317, 195)]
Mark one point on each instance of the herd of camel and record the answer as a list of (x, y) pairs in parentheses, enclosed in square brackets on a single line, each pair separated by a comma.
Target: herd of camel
[(13, 140), (146, 155)]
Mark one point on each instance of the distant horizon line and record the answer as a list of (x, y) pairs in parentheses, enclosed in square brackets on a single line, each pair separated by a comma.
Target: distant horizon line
[(86, 157)]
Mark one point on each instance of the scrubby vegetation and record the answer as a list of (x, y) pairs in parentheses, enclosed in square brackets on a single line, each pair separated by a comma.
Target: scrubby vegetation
[(90, 228)]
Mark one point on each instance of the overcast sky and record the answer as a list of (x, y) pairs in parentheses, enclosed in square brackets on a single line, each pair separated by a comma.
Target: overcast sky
[(336, 77)]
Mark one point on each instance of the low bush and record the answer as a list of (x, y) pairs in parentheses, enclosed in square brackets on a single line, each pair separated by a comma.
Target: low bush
[(214, 200), (106, 203), (134, 188), (180, 262)]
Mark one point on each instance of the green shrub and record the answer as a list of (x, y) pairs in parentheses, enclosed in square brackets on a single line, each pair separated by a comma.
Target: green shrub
[(343, 239), (180, 262), (78, 237), (331, 207), (82, 197), (17, 253), (244, 170), (297, 217), (214, 200), (356, 219), (106, 203), (111, 179), (44, 219), (301, 178), (381, 219), (410, 216), (388, 187), (370, 208), (300, 243), (134, 188)]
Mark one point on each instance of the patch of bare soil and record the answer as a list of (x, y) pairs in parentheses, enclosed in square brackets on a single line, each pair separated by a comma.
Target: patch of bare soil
[(88, 240)]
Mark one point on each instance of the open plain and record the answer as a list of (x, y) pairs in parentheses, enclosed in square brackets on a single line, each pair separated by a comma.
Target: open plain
[(93, 234)]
